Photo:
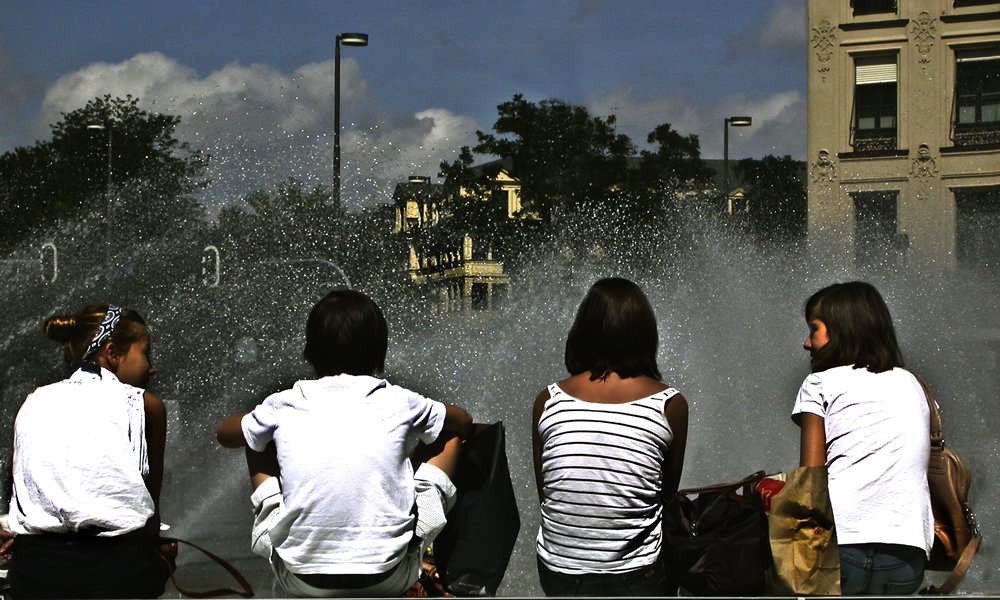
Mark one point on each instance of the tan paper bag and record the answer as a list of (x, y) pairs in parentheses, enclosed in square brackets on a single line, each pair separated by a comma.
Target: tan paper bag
[(803, 538)]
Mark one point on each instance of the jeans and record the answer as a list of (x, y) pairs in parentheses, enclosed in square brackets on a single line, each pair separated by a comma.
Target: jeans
[(648, 581), (880, 569)]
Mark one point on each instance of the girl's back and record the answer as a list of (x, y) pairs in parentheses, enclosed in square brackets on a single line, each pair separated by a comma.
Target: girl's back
[(877, 432), (602, 476), (80, 458)]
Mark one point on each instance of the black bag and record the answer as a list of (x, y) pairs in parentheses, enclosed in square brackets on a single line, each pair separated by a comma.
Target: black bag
[(473, 550), (717, 543)]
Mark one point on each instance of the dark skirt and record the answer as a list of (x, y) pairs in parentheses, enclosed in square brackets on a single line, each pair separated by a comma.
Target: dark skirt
[(85, 566)]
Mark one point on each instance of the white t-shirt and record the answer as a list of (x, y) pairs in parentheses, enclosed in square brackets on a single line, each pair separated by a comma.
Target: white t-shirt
[(877, 451), (80, 458), (347, 486)]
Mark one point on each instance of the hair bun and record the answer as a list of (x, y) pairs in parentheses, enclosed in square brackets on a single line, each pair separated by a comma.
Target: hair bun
[(59, 328)]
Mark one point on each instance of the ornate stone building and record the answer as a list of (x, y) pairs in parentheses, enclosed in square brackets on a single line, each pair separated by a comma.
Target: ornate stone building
[(904, 132), (458, 270)]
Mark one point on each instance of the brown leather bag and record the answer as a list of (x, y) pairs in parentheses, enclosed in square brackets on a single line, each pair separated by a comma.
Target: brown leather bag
[(956, 536)]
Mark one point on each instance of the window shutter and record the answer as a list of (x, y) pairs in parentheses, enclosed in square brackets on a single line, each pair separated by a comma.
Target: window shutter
[(879, 69), (964, 56)]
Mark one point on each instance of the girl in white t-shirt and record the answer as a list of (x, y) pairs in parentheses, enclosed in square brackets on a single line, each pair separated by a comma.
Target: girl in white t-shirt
[(87, 467), (866, 418)]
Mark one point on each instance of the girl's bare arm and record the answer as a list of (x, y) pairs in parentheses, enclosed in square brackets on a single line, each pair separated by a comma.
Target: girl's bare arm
[(812, 451), (156, 440), (230, 433), (676, 412)]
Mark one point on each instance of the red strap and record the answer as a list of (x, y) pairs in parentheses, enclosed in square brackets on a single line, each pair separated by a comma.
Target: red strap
[(247, 589)]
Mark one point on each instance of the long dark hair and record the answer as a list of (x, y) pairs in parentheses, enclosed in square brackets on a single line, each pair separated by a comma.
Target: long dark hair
[(859, 326), (614, 331)]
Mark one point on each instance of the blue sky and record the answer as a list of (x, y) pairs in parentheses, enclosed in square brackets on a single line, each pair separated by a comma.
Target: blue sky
[(252, 80)]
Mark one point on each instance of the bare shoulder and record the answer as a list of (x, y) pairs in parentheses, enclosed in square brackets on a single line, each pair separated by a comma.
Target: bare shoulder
[(153, 405), (676, 407)]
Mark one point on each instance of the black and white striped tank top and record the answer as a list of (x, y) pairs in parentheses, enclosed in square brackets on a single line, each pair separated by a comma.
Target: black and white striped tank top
[(602, 472)]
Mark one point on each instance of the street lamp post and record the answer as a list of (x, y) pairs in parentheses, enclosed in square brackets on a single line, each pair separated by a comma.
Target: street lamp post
[(347, 39), (109, 215), (735, 122)]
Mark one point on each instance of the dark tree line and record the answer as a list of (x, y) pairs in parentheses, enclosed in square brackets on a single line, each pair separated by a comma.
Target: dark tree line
[(585, 190), (777, 198), (591, 191), (109, 153)]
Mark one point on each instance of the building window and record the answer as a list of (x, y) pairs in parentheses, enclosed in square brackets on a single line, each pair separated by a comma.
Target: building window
[(480, 296), (873, 7), (961, 3), (874, 123), (501, 202), (977, 220), (876, 243), (977, 98)]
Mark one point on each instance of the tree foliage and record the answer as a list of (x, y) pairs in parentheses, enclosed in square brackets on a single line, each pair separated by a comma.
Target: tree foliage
[(594, 194), (675, 167), (289, 222), (110, 152), (776, 197), (559, 152)]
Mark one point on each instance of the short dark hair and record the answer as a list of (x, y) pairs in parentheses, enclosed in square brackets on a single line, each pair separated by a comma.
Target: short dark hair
[(346, 333), (76, 332), (859, 326), (614, 332)]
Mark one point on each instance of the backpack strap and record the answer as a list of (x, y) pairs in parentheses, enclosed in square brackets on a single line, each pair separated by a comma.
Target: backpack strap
[(958, 573), (725, 487), (937, 441), (937, 432), (243, 583)]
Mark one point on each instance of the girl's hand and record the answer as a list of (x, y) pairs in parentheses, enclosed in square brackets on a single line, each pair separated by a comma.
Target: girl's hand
[(168, 550), (7, 539)]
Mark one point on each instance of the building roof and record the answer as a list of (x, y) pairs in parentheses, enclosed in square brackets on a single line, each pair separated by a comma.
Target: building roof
[(413, 190)]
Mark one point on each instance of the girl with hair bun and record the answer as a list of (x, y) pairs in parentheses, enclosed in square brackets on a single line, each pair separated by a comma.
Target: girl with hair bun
[(88, 465)]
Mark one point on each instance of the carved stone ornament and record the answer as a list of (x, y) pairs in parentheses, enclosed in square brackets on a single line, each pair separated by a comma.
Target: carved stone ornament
[(923, 36), (823, 43), (824, 169), (924, 166)]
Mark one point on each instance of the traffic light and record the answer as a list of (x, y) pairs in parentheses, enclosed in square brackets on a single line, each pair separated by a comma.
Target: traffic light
[(49, 260), (210, 266)]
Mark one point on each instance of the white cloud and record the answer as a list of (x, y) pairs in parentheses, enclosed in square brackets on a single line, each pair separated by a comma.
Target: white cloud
[(779, 121), (782, 34), (786, 25), (262, 125)]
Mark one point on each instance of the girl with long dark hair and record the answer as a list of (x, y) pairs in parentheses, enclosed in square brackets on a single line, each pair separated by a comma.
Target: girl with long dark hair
[(866, 418)]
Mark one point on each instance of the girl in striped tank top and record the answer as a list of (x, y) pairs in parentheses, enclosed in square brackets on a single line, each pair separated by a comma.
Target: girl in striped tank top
[(609, 449)]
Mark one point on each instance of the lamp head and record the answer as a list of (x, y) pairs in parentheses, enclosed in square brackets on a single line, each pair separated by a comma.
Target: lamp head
[(353, 39), (740, 121), (95, 126)]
